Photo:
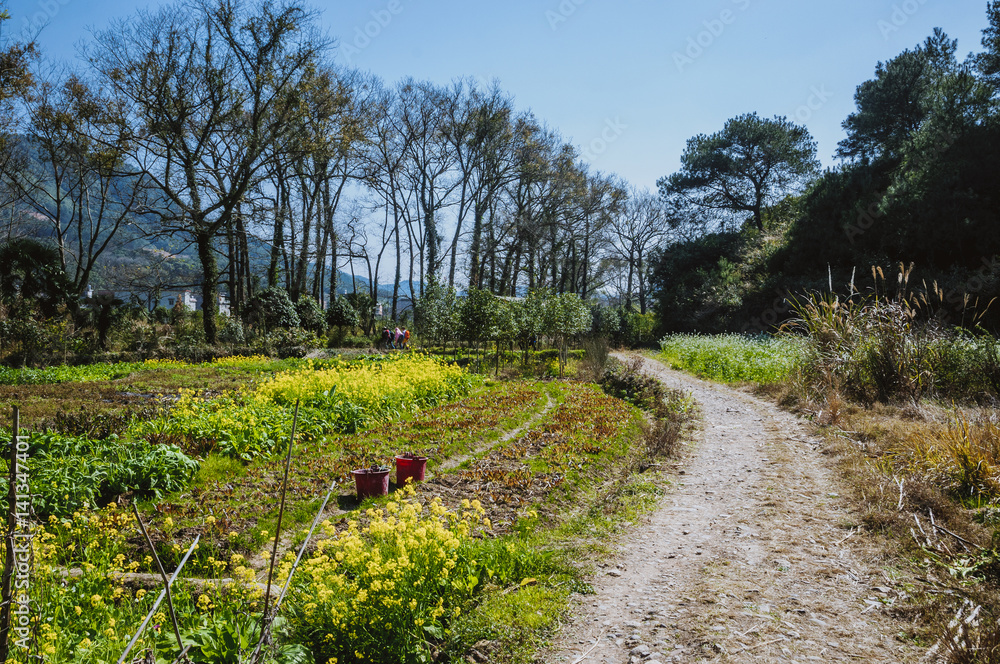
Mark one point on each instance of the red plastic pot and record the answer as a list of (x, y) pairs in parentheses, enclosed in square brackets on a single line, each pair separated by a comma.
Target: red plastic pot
[(370, 482), (410, 469)]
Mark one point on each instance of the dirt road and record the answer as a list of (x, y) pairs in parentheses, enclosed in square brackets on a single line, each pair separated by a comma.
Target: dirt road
[(752, 557)]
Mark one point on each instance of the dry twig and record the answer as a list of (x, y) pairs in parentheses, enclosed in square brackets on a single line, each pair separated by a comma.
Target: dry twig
[(596, 643)]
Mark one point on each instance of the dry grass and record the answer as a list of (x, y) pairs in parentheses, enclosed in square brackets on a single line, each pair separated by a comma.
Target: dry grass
[(917, 472), (878, 347), (926, 478)]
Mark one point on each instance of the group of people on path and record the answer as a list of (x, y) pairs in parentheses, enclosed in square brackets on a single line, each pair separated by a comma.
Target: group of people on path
[(398, 339)]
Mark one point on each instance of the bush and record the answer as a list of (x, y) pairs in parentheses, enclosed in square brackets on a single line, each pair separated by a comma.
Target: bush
[(342, 314), (340, 337), (635, 330), (272, 308), (364, 305), (671, 408), (284, 343), (231, 332), (161, 314), (874, 350), (310, 315), (435, 314)]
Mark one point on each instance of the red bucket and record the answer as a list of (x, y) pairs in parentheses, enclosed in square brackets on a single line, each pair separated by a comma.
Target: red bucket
[(370, 482), (410, 468)]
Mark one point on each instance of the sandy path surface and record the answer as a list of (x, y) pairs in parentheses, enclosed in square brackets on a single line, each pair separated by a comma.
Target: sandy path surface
[(750, 558)]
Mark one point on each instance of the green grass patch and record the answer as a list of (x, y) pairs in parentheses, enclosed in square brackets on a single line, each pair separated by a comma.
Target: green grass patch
[(87, 373), (734, 358), (217, 468), (512, 623)]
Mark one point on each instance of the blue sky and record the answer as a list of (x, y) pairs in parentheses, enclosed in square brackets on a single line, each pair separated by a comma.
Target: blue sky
[(628, 81)]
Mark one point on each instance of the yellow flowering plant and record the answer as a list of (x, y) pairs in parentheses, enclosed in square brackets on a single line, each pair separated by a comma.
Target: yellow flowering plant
[(389, 587), (386, 589), (336, 397), (82, 611)]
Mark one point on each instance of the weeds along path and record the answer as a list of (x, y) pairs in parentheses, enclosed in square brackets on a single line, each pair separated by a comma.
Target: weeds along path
[(752, 557)]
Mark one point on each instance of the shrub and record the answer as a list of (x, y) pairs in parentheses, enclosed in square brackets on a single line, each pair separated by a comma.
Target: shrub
[(875, 350), (629, 383), (284, 343), (964, 366), (231, 331), (479, 316), (364, 305), (310, 315), (634, 329), (272, 308), (342, 314), (435, 313), (161, 314)]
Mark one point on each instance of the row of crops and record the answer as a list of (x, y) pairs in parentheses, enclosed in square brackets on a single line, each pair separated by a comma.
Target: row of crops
[(401, 581), (154, 456)]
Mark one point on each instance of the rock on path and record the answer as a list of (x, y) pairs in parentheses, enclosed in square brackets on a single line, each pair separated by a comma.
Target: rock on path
[(750, 558)]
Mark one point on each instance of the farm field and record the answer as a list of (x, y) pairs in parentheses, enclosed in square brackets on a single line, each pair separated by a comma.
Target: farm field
[(515, 469)]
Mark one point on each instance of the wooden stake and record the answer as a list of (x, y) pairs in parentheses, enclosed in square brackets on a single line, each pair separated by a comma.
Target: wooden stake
[(163, 575), (265, 623), (156, 604)]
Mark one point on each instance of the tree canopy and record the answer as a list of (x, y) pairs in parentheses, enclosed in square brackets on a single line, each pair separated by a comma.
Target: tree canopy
[(751, 163)]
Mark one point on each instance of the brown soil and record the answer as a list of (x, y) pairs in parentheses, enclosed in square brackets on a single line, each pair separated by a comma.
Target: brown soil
[(752, 557)]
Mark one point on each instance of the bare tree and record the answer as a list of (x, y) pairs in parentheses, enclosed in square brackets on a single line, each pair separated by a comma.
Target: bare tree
[(635, 231), (384, 162), (206, 88), (481, 132), (72, 173), (428, 167)]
